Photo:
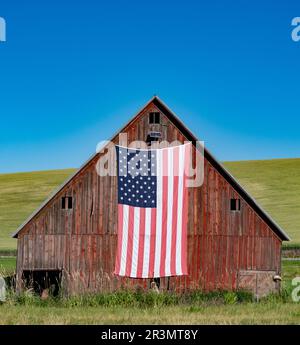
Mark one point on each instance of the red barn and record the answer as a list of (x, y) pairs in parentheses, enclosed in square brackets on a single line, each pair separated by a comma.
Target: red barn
[(72, 237)]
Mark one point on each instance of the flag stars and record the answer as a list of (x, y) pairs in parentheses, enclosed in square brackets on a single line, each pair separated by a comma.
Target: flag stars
[(138, 188)]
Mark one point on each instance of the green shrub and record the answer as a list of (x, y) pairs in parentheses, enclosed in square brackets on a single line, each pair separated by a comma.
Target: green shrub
[(244, 296), (230, 298), (126, 298)]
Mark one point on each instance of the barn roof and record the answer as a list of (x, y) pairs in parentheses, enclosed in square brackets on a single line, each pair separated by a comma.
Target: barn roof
[(191, 137)]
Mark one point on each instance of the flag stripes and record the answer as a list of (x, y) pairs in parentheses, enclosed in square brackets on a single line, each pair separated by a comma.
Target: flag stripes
[(152, 242)]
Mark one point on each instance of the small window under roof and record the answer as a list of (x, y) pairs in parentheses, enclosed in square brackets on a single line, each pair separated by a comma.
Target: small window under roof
[(235, 204), (66, 203), (154, 117)]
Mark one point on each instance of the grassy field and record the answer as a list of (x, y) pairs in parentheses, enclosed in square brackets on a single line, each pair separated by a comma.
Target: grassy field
[(20, 195), (274, 183), (7, 266), (242, 314), (216, 308)]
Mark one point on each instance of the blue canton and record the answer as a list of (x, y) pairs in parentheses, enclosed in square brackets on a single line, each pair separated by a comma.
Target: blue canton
[(137, 177)]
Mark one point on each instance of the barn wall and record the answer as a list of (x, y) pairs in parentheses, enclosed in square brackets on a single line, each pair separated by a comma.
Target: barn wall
[(82, 242)]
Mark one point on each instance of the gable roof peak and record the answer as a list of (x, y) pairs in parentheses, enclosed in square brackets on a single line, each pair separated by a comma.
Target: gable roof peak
[(191, 137)]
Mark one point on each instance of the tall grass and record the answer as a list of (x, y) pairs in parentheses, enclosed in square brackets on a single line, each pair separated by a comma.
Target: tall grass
[(124, 298)]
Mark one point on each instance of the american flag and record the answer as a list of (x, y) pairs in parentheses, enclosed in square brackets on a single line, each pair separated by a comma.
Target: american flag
[(152, 212)]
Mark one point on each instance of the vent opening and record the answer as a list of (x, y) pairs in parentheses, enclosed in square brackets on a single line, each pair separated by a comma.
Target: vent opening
[(235, 204), (66, 203), (154, 117)]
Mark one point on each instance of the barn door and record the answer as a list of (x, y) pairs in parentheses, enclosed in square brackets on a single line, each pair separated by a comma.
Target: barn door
[(260, 283)]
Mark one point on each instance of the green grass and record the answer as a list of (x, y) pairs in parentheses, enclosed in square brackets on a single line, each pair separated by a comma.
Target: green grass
[(275, 184), (248, 313), (124, 307), (7, 265), (20, 195), (290, 269)]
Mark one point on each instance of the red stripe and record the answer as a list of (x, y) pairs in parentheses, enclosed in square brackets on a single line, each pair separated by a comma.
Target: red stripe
[(165, 159), (120, 237), (185, 212), (174, 211), (141, 243), (152, 243), (130, 240)]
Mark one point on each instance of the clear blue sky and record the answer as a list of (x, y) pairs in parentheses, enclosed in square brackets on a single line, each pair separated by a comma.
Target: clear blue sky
[(71, 73)]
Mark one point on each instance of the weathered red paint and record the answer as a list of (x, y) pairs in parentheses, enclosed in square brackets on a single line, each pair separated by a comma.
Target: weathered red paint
[(82, 242)]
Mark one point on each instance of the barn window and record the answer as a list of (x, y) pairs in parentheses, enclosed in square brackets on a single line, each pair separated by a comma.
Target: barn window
[(66, 203), (235, 204), (154, 117)]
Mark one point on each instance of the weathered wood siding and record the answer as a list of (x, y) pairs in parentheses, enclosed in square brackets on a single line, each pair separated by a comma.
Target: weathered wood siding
[(82, 242)]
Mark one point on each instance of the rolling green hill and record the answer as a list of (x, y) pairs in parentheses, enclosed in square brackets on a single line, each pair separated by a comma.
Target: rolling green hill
[(275, 184), (20, 195)]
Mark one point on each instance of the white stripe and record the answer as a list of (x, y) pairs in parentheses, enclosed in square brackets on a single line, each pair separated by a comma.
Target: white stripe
[(158, 214), (146, 260), (169, 210), (124, 240), (179, 210), (135, 244)]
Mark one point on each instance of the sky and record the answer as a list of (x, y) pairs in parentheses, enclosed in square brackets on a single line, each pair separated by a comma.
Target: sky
[(73, 73)]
